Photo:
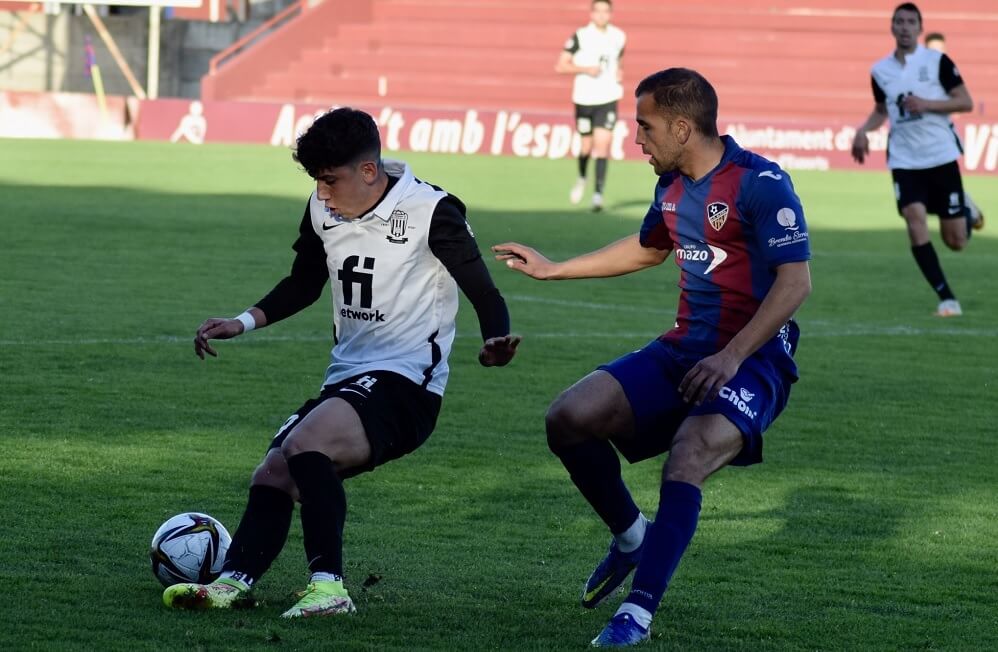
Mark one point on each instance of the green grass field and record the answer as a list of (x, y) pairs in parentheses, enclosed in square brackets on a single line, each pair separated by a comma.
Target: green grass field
[(872, 525)]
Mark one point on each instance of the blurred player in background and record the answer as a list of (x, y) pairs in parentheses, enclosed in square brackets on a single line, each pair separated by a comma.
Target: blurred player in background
[(593, 54), (708, 388), (937, 41), (917, 88), (395, 250)]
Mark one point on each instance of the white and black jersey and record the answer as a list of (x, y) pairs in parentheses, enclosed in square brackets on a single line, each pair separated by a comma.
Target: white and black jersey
[(394, 273), (924, 140), (592, 46)]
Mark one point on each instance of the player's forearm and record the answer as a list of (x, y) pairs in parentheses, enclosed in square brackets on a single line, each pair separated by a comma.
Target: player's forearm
[(621, 257), (569, 69), (874, 121), (473, 279), (950, 105), (791, 288), (288, 297)]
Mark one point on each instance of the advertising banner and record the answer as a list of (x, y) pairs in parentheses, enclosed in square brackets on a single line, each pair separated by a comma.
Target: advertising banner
[(794, 145)]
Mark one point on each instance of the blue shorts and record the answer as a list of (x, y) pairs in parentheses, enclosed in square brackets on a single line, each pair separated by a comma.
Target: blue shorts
[(650, 377)]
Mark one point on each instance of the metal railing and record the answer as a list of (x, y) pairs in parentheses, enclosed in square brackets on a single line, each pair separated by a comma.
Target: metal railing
[(261, 32)]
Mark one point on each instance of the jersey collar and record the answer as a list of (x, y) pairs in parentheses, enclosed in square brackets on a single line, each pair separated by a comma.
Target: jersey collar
[(402, 171)]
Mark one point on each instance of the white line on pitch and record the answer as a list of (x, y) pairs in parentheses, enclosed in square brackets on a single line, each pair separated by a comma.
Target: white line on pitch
[(823, 331)]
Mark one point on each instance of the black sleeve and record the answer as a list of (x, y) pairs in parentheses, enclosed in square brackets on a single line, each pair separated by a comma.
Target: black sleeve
[(572, 44), (452, 242), (949, 76), (879, 96), (304, 284)]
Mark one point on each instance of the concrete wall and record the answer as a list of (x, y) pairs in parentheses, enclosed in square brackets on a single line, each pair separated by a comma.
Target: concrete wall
[(40, 52)]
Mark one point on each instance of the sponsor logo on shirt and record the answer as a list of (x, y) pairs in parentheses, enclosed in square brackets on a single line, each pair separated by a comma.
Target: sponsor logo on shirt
[(669, 207), (362, 315), (789, 239), (787, 218), (693, 253)]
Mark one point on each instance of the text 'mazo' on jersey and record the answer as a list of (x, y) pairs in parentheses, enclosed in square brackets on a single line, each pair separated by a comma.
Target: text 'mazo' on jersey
[(728, 231)]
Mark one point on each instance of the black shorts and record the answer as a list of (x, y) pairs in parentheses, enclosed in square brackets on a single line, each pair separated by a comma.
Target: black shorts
[(940, 189), (397, 414), (595, 116)]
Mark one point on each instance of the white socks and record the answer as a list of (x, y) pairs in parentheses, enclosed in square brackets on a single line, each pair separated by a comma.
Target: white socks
[(640, 615), (240, 578), (325, 577), (630, 539)]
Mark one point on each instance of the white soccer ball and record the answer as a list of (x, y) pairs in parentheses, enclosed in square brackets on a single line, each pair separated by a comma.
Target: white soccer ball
[(189, 547)]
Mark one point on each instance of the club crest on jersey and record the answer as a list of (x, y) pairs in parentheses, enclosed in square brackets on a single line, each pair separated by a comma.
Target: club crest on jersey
[(717, 214), (398, 223)]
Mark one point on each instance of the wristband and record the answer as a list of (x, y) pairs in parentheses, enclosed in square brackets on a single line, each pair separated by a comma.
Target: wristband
[(247, 320)]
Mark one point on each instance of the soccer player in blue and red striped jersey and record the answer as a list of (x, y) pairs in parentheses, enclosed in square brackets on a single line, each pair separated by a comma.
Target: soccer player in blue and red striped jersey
[(709, 387)]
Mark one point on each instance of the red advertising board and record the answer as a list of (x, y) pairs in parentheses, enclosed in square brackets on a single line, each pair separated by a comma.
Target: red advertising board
[(794, 145), (798, 145)]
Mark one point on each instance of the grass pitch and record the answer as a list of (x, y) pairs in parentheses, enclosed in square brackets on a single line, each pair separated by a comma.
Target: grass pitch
[(872, 524)]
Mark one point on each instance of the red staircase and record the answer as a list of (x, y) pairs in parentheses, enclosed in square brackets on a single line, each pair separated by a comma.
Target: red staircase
[(789, 59)]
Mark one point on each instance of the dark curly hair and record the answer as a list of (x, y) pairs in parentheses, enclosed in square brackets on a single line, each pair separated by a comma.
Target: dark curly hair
[(340, 137)]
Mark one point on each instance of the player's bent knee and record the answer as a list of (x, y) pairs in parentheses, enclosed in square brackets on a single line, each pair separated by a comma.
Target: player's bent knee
[(955, 243), (563, 425), (695, 456), (690, 468), (273, 473), (299, 442)]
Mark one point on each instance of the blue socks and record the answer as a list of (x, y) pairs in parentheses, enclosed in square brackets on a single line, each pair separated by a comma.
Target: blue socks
[(665, 542)]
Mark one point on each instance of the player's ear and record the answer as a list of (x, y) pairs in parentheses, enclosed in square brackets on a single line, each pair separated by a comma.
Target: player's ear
[(682, 129), (369, 171)]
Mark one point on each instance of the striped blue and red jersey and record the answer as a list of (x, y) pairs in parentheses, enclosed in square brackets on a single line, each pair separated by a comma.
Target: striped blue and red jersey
[(728, 232)]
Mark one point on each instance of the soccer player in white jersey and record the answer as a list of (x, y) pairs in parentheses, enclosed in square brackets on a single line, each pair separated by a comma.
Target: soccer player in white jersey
[(937, 41), (593, 54), (395, 250), (917, 89)]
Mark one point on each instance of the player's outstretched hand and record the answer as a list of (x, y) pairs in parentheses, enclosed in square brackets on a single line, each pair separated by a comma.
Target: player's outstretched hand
[(215, 329), (498, 351), (860, 146), (703, 382), (523, 259)]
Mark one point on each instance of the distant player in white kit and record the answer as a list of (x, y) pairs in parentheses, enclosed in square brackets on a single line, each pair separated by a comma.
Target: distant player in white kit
[(593, 54), (937, 41), (395, 249), (917, 89)]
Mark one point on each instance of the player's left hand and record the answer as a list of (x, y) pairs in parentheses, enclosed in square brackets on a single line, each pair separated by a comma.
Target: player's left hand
[(707, 377), (498, 351), (915, 104)]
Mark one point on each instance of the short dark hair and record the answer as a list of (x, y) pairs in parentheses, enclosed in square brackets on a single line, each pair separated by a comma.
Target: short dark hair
[(339, 137), (935, 36), (683, 92), (593, 3), (907, 6)]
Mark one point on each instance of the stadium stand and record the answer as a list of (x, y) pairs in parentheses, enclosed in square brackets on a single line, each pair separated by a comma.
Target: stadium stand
[(790, 59)]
